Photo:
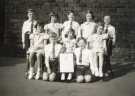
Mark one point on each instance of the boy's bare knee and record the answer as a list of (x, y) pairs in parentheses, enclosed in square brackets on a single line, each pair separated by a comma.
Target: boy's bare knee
[(45, 76), (79, 79), (87, 78), (52, 77)]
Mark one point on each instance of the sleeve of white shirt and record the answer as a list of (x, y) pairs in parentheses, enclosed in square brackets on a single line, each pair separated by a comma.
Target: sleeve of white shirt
[(112, 34), (23, 32), (46, 27)]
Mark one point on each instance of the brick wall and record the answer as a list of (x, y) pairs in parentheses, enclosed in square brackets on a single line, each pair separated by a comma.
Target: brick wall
[(122, 12)]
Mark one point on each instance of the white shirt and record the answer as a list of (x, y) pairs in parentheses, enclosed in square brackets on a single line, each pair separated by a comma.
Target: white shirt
[(86, 56), (86, 29), (98, 42), (53, 27), (37, 41), (111, 32), (70, 45), (66, 26), (27, 27), (48, 50)]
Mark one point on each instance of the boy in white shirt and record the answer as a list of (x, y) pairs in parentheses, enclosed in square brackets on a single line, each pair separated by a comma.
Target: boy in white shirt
[(28, 28), (111, 31), (99, 48), (83, 59), (38, 40), (53, 26), (87, 28), (52, 51), (70, 23)]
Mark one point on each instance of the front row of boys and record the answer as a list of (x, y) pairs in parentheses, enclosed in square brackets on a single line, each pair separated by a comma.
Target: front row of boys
[(89, 60)]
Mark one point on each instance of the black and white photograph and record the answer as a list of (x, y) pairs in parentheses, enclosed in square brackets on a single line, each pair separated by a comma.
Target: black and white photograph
[(67, 48)]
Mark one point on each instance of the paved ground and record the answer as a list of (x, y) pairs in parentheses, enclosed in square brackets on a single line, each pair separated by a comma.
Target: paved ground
[(13, 83)]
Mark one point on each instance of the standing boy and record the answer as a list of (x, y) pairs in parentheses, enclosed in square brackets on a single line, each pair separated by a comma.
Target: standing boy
[(53, 26), (71, 23), (28, 28), (110, 29)]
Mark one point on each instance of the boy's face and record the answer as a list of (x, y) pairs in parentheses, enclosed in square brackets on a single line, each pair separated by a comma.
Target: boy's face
[(107, 19), (88, 17), (30, 15), (71, 17), (99, 29), (53, 18), (39, 28), (81, 43)]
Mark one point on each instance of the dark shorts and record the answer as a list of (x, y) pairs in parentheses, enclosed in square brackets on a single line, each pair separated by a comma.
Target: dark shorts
[(27, 41), (53, 65), (82, 70)]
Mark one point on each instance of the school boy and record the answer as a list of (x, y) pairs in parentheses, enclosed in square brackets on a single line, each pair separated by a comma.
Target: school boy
[(52, 51), (83, 56)]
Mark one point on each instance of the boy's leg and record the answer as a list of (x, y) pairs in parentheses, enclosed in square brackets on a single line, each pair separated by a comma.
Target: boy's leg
[(39, 64), (52, 76), (79, 75), (45, 76), (87, 75), (92, 63), (69, 76), (32, 62), (87, 78), (79, 79), (101, 61), (96, 72), (62, 76), (54, 69)]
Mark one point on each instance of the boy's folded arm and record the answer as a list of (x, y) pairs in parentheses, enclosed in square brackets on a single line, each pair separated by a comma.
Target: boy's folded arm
[(105, 36)]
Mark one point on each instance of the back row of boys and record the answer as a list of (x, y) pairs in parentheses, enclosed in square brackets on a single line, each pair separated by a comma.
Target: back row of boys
[(90, 42)]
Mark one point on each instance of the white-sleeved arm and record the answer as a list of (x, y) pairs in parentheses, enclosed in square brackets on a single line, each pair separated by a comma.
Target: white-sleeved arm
[(23, 33), (113, 35)]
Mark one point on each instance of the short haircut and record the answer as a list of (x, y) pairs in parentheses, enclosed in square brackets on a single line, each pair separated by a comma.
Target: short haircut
[(39, 23), (30, 11), (53, 14), (92, 14), (107, 15), (71, 11)]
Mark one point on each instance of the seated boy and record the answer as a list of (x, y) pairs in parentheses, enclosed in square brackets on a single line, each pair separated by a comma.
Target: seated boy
[(52, 51), (69, 44), (83, 56), (37, 41)]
